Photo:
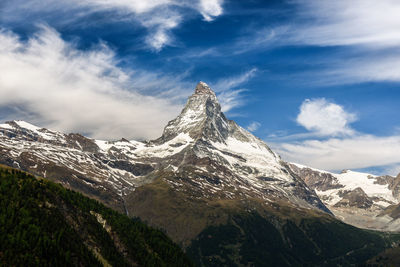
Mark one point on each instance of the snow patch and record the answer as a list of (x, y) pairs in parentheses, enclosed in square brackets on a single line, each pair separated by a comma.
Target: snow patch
[(166, 149), (307, 167), (103, 145), (35, 129), (6, 126)]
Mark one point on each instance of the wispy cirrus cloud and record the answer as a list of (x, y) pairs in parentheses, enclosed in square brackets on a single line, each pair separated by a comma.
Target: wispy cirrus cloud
[(159, 17), (52, 83), (367, 31), (370, 30), (253, 126), (230, 89), (372, 66), (358, 22), (235, 81)]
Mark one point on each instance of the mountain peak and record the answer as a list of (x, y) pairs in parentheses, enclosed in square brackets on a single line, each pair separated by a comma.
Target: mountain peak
[(203, 89), (201, 117)]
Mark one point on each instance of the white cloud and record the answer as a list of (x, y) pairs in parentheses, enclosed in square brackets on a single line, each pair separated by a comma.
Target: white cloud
[(348, 153), (253, 126), (50, 82), (159, 17), (155, 15), (161, 25), (210, 9), (325, 118)]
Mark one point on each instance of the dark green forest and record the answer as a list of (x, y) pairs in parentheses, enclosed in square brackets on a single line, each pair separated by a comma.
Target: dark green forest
[(44, 224), (251, 240)]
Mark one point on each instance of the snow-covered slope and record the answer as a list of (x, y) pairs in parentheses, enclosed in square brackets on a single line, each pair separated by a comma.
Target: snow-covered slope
[(374, 186), (355, 197), (380, 193), (200, 151)]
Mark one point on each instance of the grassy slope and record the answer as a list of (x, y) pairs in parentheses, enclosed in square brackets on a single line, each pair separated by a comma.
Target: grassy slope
[(43, 224), (251, 233)]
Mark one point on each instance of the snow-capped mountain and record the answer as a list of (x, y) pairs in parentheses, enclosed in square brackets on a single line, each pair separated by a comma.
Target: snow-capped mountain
[(356, 198), (201, 150), (213, 187)]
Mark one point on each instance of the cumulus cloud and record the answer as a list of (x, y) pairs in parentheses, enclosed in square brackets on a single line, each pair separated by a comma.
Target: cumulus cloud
[(51, 83), (325, 118), (159, 17), (253, 126)]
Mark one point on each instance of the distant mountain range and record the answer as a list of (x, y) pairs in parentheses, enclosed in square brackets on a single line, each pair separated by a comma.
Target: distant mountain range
[(218, 191), (361, 199)]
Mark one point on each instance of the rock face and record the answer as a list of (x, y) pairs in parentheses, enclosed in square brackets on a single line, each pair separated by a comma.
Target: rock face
[(321, 181), (392, 212), (360, 199), (394, 185), (355, 198)]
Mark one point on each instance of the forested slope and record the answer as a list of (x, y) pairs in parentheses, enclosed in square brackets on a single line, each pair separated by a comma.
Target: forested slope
[(44, 224)]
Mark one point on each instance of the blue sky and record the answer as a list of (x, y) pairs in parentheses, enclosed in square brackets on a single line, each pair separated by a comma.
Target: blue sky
[(317, 80)]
